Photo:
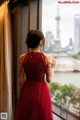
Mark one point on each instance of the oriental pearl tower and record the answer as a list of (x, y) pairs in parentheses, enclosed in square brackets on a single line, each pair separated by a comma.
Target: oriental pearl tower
[(57, 41)]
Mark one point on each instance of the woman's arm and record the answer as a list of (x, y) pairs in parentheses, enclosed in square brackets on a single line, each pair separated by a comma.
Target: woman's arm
[(50, 68), (21, 72)]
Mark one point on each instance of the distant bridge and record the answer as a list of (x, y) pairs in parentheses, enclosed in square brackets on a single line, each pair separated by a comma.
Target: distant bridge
[(65, 62), (59, 54)]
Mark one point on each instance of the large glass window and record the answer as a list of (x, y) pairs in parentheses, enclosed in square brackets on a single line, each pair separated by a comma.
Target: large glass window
[(61, 27)]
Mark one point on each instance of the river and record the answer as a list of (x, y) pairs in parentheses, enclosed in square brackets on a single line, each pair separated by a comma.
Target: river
[(67, 78)]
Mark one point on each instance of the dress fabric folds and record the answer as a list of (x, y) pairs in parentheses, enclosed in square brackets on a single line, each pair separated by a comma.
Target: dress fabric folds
[(34, 102)]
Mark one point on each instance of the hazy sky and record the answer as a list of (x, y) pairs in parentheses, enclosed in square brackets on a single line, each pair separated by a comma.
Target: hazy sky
[(66, 11)]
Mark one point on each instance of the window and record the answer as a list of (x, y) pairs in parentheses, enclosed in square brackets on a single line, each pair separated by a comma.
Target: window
[(60, 25)]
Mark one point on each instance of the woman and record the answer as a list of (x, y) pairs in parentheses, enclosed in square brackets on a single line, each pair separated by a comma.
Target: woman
[(34, 102)]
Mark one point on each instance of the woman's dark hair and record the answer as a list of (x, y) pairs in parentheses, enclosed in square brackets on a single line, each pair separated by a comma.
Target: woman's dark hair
[(33, 38)]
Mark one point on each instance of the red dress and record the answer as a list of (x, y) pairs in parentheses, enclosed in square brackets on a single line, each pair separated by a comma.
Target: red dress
[(34, 102)]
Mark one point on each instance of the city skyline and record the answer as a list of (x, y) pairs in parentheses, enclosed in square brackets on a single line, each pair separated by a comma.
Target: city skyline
[(66, 12)]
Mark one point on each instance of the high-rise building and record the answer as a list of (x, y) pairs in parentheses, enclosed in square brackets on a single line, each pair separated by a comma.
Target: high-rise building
[(49, 41), (77, 34), (70, 42)]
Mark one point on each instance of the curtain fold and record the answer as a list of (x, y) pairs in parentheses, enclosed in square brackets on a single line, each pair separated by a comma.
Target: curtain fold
[(5, 61)]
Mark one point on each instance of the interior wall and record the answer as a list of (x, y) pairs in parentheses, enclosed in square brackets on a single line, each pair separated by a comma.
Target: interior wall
[(40, 15), (24, 27), (33, 15), (33, 20), (22, 23)]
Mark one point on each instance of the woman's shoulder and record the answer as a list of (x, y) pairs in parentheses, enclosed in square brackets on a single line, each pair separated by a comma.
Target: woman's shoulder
[(50, 59), (48, 56), (22, 57)]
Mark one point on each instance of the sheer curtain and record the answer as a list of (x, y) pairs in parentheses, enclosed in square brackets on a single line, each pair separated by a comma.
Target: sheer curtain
[(5, 61)]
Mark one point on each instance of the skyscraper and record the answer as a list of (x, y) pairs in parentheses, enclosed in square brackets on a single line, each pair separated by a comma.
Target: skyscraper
[(77, 34), (49, 42)]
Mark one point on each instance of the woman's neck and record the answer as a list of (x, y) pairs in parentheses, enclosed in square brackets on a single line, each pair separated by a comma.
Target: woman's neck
[(34, 49)]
